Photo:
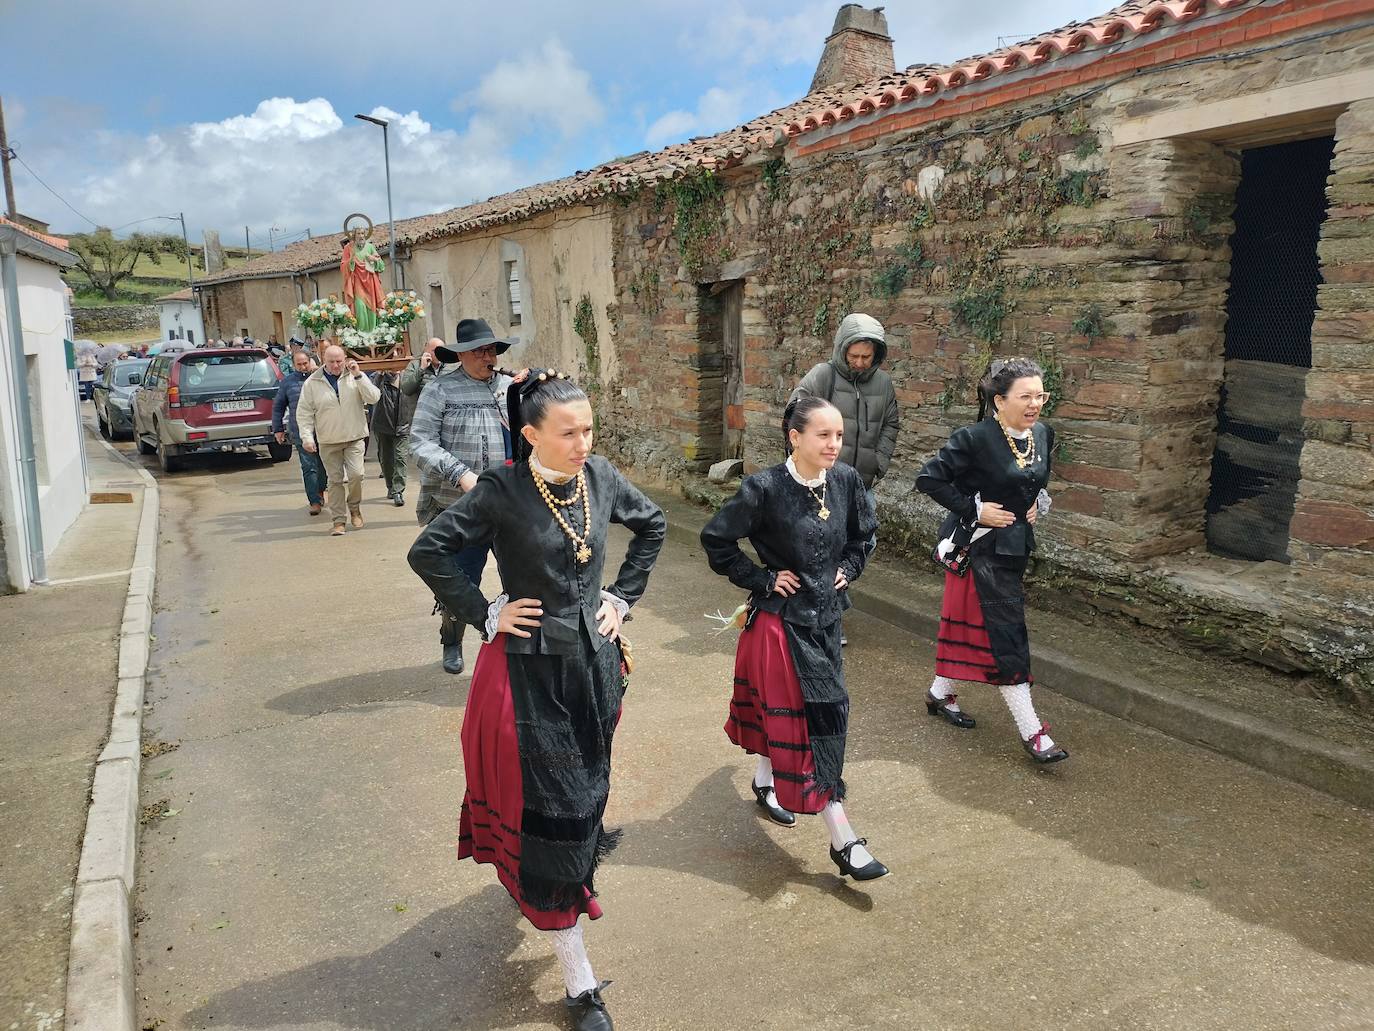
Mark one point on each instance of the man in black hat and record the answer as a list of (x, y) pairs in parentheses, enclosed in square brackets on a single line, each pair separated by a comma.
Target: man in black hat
[(459, 430)]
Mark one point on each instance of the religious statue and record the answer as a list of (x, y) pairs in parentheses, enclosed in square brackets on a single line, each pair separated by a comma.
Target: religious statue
[(361, 267)]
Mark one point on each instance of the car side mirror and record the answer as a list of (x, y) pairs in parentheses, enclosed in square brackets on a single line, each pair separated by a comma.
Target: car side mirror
[(135, 380)]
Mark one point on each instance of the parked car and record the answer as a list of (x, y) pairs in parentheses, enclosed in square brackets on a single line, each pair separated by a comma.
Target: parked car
[(113, 396), (219, 399)]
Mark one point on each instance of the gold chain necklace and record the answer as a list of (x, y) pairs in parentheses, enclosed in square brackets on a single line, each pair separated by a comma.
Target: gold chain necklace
[(583, 553), (1022, 459), (823, 512)]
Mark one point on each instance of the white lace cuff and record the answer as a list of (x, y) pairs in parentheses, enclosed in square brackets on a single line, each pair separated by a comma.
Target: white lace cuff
[(1043, 501), (494, 616), (621, 606), (977, 507)]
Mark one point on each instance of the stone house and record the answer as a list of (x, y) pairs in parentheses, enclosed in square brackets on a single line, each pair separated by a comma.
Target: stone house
[(1168, 205)]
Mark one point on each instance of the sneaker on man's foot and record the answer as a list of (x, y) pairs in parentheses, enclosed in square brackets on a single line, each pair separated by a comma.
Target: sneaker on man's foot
[(338, 530), (398, 499), (315, 508), (357, 520)]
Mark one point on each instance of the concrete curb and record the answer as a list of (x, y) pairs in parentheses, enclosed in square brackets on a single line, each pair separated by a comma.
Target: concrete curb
[(1344, 772), (100, 963)]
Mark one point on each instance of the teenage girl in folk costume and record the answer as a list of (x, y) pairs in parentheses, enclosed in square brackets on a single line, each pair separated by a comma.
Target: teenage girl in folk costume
[(547, 688), (992, 477), (809, 520)]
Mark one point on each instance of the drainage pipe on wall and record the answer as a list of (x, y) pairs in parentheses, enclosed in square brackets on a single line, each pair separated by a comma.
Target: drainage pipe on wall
[(27, 458)]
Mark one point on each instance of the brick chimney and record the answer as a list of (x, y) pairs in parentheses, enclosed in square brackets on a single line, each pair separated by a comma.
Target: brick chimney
[(857, 48)]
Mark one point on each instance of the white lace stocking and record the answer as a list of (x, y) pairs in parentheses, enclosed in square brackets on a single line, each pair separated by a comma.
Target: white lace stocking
[(571, 951), (1018, 700)]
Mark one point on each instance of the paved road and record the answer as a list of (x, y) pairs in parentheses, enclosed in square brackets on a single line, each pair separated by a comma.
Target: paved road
[(307, 878)]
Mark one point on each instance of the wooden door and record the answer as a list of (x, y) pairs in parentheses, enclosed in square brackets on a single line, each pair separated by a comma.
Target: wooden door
[(732, 341)]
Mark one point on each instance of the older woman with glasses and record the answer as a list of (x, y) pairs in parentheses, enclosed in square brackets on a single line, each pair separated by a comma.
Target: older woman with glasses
[(992, 478)]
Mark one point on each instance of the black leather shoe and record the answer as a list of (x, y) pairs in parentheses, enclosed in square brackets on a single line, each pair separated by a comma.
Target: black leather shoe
[(1052, 754), (870, 871), (398, 499), (453, 658), (775, 812), (941, 707), (589, 1010)]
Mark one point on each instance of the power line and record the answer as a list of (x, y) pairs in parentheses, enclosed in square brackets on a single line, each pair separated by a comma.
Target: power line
[(50, 189)]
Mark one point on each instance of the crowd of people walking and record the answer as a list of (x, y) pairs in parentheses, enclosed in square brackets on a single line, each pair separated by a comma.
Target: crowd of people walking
[(506, 465)]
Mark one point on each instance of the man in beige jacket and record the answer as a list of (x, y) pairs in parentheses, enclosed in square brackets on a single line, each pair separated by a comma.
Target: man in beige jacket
[(332, 418)]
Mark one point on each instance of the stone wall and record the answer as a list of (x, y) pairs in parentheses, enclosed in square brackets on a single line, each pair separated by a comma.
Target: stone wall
[(225, 309), (115, 318), (1018, 232), (1333, 525)]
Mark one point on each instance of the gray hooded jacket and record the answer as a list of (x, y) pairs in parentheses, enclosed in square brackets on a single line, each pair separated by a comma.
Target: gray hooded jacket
[(866, 400)]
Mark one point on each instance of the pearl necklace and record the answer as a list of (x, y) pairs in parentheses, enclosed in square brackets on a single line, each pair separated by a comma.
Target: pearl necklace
[(583, 553), (823, 511), (1022, 459)]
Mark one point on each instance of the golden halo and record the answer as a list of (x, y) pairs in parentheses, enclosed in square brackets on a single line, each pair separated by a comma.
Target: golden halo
[(350, 218)]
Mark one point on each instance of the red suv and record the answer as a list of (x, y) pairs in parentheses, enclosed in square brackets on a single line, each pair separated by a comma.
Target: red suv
[(209, 399)]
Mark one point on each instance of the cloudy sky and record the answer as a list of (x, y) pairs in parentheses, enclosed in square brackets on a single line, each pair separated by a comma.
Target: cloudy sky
[(242, 113)]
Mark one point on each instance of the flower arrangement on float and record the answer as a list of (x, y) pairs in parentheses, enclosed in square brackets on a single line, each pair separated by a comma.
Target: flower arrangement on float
[(400, 308), (322, 315)]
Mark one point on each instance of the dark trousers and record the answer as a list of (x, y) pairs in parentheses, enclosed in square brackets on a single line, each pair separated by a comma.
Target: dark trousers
[(472, 561), (312, 472), (392, 454)]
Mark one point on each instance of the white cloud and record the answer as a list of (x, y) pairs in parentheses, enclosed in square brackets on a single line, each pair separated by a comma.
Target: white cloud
[(289, 165), (717, 109), (277, 118), (539, 88)]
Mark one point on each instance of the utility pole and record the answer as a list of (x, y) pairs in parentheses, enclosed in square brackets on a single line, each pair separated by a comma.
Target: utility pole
[(246, 246), (10, 210), (190, 273)]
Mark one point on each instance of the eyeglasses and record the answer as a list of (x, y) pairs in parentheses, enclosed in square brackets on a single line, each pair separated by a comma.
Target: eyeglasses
[(1039, 399), (489, 349)]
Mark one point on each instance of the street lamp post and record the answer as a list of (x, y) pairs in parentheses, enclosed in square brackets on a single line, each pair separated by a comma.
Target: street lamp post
[(390, 218)]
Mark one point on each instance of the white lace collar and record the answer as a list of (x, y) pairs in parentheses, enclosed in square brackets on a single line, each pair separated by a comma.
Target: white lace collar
[(548, 474), (792, 469), (1018, 434)]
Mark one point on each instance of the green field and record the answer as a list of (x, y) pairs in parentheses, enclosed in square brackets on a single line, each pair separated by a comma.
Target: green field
[(149, 281)]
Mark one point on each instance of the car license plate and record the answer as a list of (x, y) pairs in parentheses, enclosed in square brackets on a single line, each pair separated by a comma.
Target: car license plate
[(232, 406)]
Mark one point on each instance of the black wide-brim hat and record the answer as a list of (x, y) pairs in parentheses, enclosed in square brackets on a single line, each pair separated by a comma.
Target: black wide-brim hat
[(471, 334)]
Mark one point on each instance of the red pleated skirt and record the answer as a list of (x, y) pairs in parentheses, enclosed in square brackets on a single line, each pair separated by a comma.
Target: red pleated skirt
[(768, 715), (963, 651), (489, 827)]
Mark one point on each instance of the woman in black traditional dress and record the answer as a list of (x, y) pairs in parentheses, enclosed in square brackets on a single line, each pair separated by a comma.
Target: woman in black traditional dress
[(992, 477), (547, 688), (809, 519)]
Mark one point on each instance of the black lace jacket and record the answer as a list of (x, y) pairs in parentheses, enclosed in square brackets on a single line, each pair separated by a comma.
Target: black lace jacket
[(977, 460), (781, 520), (535, 558)]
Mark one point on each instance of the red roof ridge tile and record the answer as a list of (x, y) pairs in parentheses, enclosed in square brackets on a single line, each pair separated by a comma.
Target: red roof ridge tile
[(1132, 18)]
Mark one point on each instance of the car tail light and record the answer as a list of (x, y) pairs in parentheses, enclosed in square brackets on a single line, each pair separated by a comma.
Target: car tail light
[(173, 397), (196, 436)]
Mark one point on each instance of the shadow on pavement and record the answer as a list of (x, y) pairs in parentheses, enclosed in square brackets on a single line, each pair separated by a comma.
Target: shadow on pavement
[(449, 970), (685, 841), (367, 692), (1251, 845)]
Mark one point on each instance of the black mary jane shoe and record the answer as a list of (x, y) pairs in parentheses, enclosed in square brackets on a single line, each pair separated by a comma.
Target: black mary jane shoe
[(589, 1010), (775, 812), (941, 707), (870, 871), (1052, 754)]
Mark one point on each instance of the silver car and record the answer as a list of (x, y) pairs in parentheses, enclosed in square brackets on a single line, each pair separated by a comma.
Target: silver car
[(113, 396)]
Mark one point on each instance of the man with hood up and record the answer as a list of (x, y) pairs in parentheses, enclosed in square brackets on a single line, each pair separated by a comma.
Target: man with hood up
[(863, 393), (853, 383)]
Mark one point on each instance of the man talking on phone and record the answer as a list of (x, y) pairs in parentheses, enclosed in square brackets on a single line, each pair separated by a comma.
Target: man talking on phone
[(332, 416)]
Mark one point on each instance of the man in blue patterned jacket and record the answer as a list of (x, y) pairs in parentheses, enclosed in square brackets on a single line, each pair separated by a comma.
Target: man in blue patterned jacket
[(459, 430)]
